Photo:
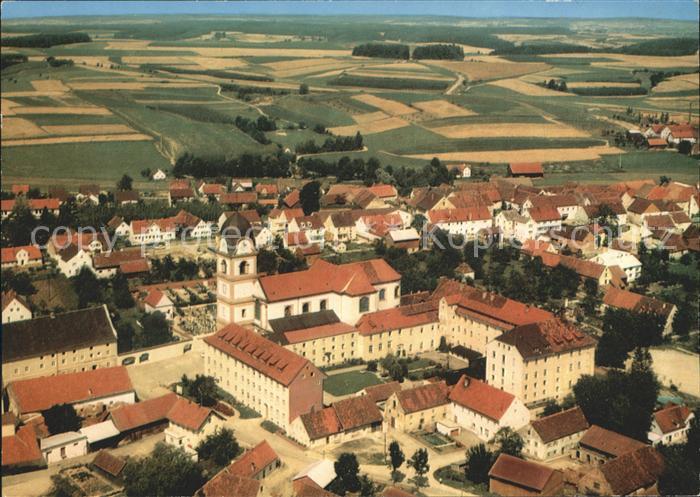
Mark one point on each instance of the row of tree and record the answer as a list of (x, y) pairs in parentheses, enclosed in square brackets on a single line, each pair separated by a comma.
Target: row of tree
[(45, 40), (439, 51), (276, 165), (382, 50), (256, 128), (331, 144)]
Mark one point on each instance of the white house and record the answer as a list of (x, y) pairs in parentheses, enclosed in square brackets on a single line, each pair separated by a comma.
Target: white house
[(157, 301), (311, 226), (22, 256), (626, 261), (466, 222), (159, 175), (63, 446), (14, 308), (555, 435), (189, 424), (483, 409), (72, 259), (670, 425), (152, 231), (513, 226)]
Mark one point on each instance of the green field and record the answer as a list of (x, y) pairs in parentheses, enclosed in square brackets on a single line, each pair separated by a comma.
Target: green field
[(347, 383)]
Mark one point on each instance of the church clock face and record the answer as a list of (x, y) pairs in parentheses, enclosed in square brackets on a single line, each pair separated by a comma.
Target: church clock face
[(245, 247)]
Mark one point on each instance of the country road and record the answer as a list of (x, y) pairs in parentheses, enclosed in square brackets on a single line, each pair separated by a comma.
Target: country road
[(455, 85)]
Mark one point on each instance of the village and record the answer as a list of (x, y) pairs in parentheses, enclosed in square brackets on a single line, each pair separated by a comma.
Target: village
[(422, 376)]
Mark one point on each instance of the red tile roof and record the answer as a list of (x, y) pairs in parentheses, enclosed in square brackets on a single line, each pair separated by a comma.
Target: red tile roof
[(638, 469), (153, 298), (188, 414), (382, 190), (20, 189), (356, 412), (292, 199), (109, 463), (609, 442), (322, 423), (39, 394), (543, 214), (397, 317), (22, 448), (266, 357), (395, 492), (266, 189), (322, 277), (117, 258), (379, 393), (239, 198), (225, 484), (139, 226), (44, 203), (296, 238), (546, 338), (136, 266), (623, 299), (526, 168), (134, 416), (560, 424), (461, 215), (522, 473), (315, 332), (254, 460), (657, 142), (672, 417), (9, 254), (482, 398), (212, 189), (423, 397)]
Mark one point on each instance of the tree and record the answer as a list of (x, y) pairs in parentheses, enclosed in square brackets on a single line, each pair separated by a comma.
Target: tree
[(367, 487), (156, 329), (303, 89), (551, 407), (167, 471), (125, 337), (87, 287), (61, 418), (125, 183), (397, 458), (347, 472), (508, 441), (202, 389), (479, 462), (683, 320), (267, 261), (310, 196), (220, 448), (20, 282), (419, 463), (121, 293)]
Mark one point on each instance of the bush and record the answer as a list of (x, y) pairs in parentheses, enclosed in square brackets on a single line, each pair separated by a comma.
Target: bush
[(383, 50)]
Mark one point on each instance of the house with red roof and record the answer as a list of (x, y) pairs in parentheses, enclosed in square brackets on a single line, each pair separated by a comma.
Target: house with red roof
[(515, 360), (189, 424), (311, 226), (598, 445), (483, 409), (384, 191), (20, 450), (344, 420), (152, 231), (129, 262), (635, 472), (526, 170), (418, 408), (674, 134), (14, 307), (511, 475), (276, 382), (211, 190), (466, 222), (86, 389), (279, 219), (256, 463), (553, 436), (670, 425), (158, 301), (21, 257), (638, 303)]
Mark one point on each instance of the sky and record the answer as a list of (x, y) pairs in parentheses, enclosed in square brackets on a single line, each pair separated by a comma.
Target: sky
[(662, 9)]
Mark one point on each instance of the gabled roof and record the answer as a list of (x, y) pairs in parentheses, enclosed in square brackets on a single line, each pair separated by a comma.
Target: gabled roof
[(526, 168), (239, 198), (225, 484), (9, 254), (22, 448), (560, 424), (188, 414), (462, 215), (382, 190), (482, 398), (397, 317), (268, 358), (543, 214), (126, 196), (609, 442), (154, 297), (254, 460), (423, 397), (69, 330), (322, 277), (546, 338), (10, 296), (672, 417), (116, 258), (266, 189), (527, 474), (381, 392), (322, 423), (39, 394), (109, 463), (355, 412), (133, 416), (623, 299), (638, 469)]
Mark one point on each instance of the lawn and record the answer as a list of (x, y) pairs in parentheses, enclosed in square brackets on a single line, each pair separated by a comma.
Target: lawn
[(351, 382)]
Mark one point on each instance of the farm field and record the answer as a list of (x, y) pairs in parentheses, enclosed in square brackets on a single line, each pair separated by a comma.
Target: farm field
[(177, 89)]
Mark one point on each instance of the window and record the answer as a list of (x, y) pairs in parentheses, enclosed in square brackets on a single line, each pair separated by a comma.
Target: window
[(223, 267), (243, 267), (364, 304), (382, 294), (257, 309), (287, 311), (397, 291), (305, 307), (323, 305)]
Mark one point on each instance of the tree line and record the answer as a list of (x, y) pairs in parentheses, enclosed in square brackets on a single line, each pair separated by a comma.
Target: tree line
[(275, 165), (331, 144), (256, 128), (382, 50), (45, 40), (439, 51)]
